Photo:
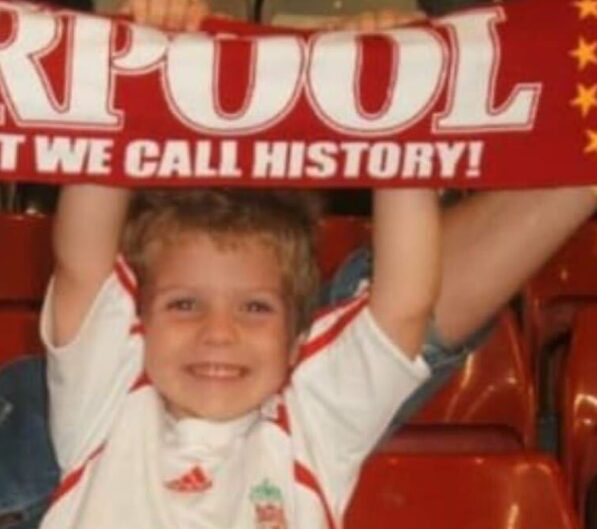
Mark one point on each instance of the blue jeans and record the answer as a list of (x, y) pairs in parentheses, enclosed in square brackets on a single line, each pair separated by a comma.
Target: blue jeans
[(28, 471)]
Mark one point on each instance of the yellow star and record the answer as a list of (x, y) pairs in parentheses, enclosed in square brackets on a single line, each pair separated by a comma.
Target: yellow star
[(585, 52), (592, 145), (586, 98), (586, 8)]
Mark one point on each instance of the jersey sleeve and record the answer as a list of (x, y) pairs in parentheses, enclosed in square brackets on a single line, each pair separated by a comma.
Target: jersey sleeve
[(89, 377), (347, 386)]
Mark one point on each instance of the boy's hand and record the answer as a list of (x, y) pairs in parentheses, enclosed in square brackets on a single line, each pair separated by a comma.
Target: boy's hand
[(376, 20), (173, 15)]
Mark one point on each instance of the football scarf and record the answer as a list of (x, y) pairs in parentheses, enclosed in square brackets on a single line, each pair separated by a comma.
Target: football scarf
[(499, 96)]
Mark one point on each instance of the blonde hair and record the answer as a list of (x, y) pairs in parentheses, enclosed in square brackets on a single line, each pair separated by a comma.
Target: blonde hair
[(284, 220)]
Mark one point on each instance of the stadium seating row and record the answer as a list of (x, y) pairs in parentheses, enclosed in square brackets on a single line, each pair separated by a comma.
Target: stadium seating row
[(495, 388), (507, 491), (578, 405), (487, 409)]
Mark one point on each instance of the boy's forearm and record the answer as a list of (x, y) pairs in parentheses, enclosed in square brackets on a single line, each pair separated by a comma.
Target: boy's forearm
[(406, 241), (87, 233), (87, 228)]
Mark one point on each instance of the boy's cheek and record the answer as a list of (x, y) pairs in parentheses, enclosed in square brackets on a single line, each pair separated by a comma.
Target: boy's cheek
[(159, 346), (162, 327)]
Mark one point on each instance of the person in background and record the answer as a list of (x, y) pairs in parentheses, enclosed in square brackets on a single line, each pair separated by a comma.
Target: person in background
[(494, 241)]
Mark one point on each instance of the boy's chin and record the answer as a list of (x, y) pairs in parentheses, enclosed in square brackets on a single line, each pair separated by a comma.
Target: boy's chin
[(213, 415)]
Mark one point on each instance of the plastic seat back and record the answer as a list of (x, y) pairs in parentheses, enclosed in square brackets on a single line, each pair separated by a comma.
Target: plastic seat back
[(553, 295), (523, 491), (494, 387), (452, 439), (26, 262), (25, 268), (19, 334), (579, 407), (337, 237)]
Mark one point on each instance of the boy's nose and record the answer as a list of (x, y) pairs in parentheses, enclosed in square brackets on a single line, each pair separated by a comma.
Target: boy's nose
[(218, 328)]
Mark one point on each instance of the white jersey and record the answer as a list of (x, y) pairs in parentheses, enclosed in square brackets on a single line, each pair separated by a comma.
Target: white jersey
[(292, 464)]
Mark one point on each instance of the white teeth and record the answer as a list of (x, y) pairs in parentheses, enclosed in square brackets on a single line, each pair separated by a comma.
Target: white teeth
[(219, 371)]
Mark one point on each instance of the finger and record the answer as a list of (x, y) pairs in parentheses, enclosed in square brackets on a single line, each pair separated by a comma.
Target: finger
[(403, 18), (156, 12), (139, 10), (125, 9), (386, 19), (175, 14), (196, 13), (340, 23), (366, 21), (221, 14), (331, 23), (391, 18), (351, 24)]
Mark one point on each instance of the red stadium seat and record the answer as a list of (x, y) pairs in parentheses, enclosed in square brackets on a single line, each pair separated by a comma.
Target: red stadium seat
[(523, 491), (494, 387), (452, 439), (19, 333), (494, 390), (25, 267), (579, 408), (26, 261), (338, 236), (553, 295)]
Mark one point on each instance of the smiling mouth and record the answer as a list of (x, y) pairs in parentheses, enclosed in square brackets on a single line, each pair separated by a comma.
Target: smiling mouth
[(216, 371)]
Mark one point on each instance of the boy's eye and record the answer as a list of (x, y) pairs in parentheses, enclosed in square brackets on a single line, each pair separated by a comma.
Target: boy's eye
[(256, 306), (182, 305)]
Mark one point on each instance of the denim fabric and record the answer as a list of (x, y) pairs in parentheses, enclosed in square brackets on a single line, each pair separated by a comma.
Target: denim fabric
[(28, 471), (443, 361)]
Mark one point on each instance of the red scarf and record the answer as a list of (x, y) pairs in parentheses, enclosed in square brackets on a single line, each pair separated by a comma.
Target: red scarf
[(496, 96)]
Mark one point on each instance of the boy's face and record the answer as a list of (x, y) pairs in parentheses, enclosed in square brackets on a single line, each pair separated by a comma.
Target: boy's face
[(216, 326)]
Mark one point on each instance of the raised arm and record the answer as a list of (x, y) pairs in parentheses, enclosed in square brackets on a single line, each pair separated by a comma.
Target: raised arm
[(494, 242), (87, 232), (90, 217), (406, 264)]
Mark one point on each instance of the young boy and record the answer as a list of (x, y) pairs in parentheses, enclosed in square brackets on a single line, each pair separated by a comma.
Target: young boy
[(213, 406)]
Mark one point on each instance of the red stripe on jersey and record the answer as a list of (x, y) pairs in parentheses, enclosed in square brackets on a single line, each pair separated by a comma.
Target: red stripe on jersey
[(306, 478), (126, 277), (137, 328), (328, 309), (282, 419), (141, 382), (313, 346), (71, 479)]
